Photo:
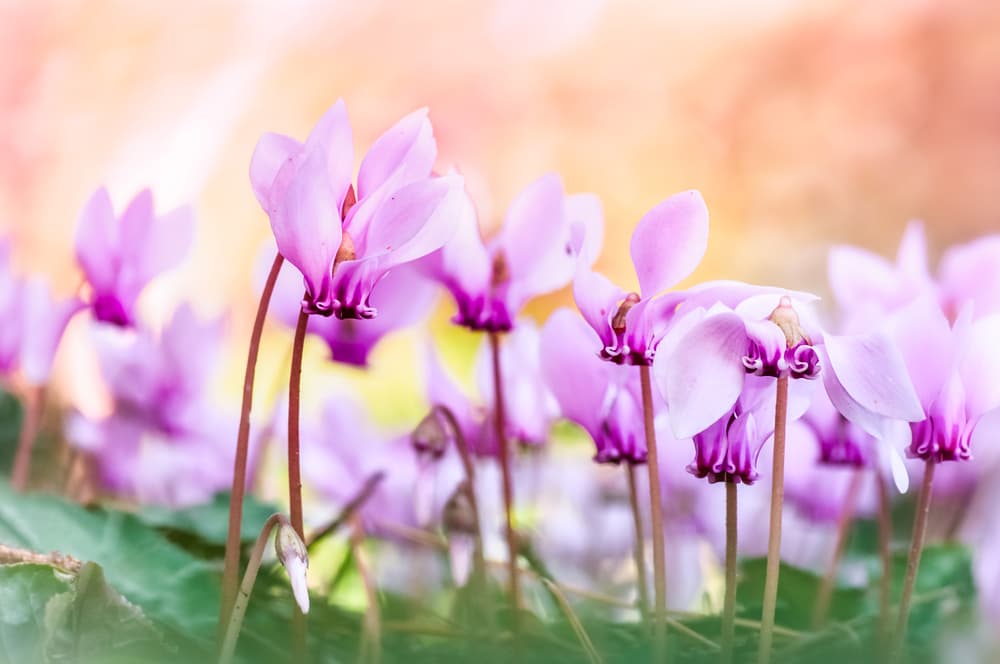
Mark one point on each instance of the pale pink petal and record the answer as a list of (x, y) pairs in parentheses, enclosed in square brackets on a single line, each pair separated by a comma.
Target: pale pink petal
[(535, 223), (462, 264), (911, 258), (979, 366), (704, 375), (271, 153), (44, 320), (924, 338), (97, 241), (669, 242), (597, 299), (402, 154), (873, 373), (585, 216), (332, 136), (572, 369), (857, 276), (151, 245)]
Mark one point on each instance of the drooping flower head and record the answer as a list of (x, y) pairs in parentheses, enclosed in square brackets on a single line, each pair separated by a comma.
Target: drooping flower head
[(954, 369), (535, 252), (709, 357), (666, 247), (121, 255), (403, 298), (345, 239), (164, 440), (592, 393)]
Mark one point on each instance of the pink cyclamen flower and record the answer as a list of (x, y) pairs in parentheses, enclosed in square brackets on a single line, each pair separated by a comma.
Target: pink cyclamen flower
[(121, 255), (344, 240), (708, 358), (43, 320), (164, 441), (592, 393), (954, 370), (403, 298), (535, 252), (666, 246)]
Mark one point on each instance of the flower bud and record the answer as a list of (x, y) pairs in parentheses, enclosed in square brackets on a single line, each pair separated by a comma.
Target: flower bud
[(459, 512), (291, 551), (432, 436), (787, 320)]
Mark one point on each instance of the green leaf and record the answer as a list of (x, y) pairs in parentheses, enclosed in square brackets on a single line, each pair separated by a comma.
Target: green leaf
[(25, 591), (96, 624), (172, 586), (210, 521)]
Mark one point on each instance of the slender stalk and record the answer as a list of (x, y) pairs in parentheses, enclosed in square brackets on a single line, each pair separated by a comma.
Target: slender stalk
[(844, 523), (479, 554), (34, 398), (371, 646), (231, 570), (913, 560), (581, 633), (729, 603), (294, 470), (774, 537), (656, 512), (640, 542), (239, 607), (885, 553), (508, 490)]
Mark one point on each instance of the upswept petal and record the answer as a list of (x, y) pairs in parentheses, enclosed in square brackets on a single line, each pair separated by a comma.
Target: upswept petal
[(704, 376), (306, 222), (43, 321), (911, 258), (153, 244), (97, 241), (416, 220), (585, 216), (972, 272), (271, 153), (534, 225), (332, 137), (462, 264), (597, 299), (979, 366), (669, 242), (858, 275), (925, 340), (870, 421), (404, 153), (872, 371), (572, 370)]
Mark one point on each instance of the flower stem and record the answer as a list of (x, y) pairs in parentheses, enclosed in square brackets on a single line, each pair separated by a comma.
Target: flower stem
[(885, 553), (913, 560), (34, 397), (656, 512), (239, 607), (729, 603), (640, 542), (774, 537), (508, 490), (294, 471), (231, 569), (844, 523), (371, 646)]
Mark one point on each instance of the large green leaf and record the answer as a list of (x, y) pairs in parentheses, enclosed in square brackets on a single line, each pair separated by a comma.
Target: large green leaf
[(210, 521), (25, 591), (171, 585)]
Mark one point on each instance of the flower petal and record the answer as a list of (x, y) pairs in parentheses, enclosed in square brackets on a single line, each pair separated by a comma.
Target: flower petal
[(271, 153), (534, 225), (306, 221), (597, 299), (669, 242), (925, 340), (873, 373), (703, 377), (332, 136), (585, 216), (572, 370), (857, 276), (979, 366), (404, 153), (97, 241)]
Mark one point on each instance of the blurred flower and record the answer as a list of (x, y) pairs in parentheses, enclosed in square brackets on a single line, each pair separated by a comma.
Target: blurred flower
[(403, 297), (343, 240), (120, 256), (666, 246), (164, 441), (954, 369), (533, 253), (43, 320), (590, 392)]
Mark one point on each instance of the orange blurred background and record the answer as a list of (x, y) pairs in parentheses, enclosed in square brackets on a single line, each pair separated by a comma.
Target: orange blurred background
[(803, 124)]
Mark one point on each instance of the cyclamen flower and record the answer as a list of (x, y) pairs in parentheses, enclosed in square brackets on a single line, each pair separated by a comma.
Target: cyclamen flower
[(954, 369), (164, 440), (666, 247), (344, 240), (535, 252), (121, 255), (44, 320), (594, 394), (403, 297), (705, 364)]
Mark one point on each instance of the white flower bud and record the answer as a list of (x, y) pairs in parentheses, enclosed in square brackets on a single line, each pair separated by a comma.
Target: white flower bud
[(291, 551)]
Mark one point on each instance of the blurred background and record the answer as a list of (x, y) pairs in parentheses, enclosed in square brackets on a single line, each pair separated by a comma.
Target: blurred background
[(803, 124)]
